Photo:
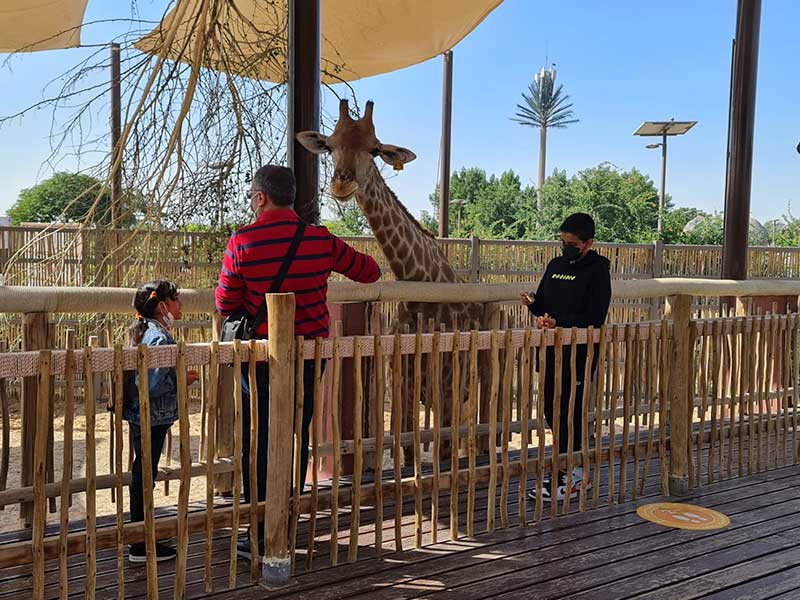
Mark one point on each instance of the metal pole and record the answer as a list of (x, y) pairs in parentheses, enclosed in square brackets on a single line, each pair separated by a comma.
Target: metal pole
[(742, 124), (663, 195), (116, 131), (444, 170), (303, 102)]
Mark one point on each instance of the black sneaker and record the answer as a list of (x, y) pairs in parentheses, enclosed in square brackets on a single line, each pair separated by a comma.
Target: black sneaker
[(561, 490), (137, 553), (243, 547)]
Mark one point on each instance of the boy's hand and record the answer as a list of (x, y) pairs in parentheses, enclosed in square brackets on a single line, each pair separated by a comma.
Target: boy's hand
[(545, 322), (192, 376), (527, 298)]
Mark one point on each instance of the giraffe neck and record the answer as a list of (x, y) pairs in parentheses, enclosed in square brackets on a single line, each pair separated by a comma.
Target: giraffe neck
[(413, 254)]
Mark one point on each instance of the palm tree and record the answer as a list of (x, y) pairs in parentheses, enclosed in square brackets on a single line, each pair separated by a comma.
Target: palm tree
[(545, 106)]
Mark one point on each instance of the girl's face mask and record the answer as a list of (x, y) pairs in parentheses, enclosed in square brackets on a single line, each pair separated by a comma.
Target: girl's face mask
[(168, 320)]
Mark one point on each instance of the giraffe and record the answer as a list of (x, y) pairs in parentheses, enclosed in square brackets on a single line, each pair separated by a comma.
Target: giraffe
[(412, 252)]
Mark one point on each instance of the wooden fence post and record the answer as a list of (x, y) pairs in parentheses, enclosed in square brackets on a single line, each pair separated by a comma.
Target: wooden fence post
[(679, 309), (223, 482), (36, 335), (353, 318), (474, 259), (658, 271), (277, 565)]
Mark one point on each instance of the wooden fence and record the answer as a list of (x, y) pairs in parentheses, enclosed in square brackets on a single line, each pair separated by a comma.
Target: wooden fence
[(70, 256), (683, 400)]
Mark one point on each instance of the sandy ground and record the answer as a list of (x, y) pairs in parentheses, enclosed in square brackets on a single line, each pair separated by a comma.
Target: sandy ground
[(9, 516)]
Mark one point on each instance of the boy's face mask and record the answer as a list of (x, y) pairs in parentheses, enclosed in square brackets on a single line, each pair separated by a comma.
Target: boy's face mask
[(572, 247), (570, 252)]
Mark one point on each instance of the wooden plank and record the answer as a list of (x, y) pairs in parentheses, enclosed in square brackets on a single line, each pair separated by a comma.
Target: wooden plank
[(651, 372), (379, 426), (358, 422), (119, 400), (297, 484), (252, 466), (715, 375), (508, 375), (186, 463), (315, 432), (237, 452), (472, 417), (524, 394), (336, 433), (598, 422), (795, 345), (493, 397), (397, 423), (627, 383), (637, 388), (555, 426), (612, 399), (540, 430), (91, 468), (587, 385), (455, 419), (416, 402), (211, 450), (39, 472), (663, 396), (573, 387), (5, 448), (146, 460), (436, 364)]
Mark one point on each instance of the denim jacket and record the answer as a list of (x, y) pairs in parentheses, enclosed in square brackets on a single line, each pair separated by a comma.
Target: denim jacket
[(162, 384)]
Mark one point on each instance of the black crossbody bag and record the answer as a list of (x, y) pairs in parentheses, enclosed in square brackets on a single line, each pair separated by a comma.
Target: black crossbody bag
[(242, 325)]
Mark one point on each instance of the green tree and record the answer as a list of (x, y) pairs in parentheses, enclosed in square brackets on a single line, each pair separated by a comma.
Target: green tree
[(489, 207), (676, 220), (348, 219), (64, 197), (545, 106), (707, 231), (788, 234)]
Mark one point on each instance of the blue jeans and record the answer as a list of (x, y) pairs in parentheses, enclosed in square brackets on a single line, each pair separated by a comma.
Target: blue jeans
[(262, 382)]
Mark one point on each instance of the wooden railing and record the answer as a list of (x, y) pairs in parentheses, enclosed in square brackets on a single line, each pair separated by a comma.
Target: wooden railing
[(72, 256), (696, 400)]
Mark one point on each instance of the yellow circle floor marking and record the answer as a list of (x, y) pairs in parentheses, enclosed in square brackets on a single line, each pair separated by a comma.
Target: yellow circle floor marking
[(683, 516)]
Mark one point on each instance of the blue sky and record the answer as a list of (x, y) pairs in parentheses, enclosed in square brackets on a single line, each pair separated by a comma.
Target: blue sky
[(622, 62)]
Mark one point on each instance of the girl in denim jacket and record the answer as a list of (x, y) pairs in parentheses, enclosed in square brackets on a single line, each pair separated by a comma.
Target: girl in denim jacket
[(157, 306)]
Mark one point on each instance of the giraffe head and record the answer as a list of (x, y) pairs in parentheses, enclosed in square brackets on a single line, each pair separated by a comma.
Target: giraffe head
[(353, 146)]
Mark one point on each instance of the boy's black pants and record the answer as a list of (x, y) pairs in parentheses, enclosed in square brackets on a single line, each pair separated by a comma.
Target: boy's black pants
[(566, 386)]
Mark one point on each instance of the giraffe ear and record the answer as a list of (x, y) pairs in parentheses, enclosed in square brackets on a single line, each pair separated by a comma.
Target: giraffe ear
[(396, 155), (314, 142)]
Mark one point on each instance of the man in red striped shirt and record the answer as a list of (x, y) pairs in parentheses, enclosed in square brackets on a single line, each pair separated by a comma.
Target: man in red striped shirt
[(252, 260)]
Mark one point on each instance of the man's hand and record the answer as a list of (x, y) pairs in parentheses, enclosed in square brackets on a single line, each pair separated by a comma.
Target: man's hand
[(192, 376), (526, 298), (545, 322)]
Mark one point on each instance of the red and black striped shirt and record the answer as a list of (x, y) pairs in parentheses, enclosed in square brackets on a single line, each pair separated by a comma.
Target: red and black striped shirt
[(254, 256)]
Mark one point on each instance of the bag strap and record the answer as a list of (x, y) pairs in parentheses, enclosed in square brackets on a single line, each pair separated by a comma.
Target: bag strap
[(261, 314)]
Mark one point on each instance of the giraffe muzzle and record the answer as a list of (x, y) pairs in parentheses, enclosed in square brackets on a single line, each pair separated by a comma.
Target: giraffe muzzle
[(343, 190)]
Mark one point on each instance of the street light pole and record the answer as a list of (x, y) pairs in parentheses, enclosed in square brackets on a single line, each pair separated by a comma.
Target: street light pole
[(663, 129)]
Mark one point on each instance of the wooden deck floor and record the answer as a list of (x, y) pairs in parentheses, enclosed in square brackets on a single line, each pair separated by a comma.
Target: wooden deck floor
[(608, 552)]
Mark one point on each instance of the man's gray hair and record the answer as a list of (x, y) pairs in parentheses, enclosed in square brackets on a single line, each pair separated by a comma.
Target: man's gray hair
[(277, 182)]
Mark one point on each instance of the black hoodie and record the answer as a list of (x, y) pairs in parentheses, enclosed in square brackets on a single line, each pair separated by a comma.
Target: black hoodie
[(575, 293)]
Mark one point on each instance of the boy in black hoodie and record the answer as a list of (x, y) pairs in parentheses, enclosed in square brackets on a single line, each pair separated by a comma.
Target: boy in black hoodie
[(575, 291)]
